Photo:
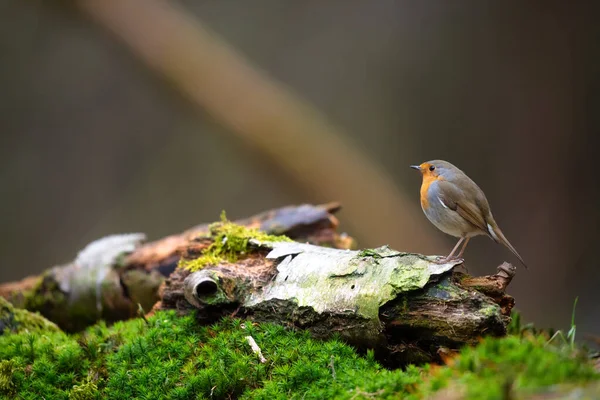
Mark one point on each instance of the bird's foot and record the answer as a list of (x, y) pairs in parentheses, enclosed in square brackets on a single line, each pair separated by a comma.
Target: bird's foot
[(444, 260), (458, 260)]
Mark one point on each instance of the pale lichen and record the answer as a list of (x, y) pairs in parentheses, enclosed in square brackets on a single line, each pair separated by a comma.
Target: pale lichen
[(344, 282)]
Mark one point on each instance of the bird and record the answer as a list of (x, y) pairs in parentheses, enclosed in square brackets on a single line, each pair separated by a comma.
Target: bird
[(457, 206)]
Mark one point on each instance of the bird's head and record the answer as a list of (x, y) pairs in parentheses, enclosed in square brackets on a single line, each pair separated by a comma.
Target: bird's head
[(436, 169)]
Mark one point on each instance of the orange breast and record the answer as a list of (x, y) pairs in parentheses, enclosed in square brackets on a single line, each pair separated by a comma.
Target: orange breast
[(428, 179)]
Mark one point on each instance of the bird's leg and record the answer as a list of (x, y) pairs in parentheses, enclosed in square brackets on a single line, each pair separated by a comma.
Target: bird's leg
[(463, 248), (450, 256)]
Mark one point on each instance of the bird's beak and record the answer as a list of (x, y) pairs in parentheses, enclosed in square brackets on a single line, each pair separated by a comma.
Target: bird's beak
[(416, 167)]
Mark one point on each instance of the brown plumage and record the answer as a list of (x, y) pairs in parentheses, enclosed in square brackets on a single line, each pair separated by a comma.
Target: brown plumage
[(457, 206)]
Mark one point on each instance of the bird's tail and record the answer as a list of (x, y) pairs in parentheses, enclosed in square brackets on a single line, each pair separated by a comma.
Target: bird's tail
[(497, 235)]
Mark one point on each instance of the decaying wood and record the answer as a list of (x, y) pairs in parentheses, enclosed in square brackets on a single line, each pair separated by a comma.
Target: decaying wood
[(113, 276), (407, 306), (304, 223), (493, 286)]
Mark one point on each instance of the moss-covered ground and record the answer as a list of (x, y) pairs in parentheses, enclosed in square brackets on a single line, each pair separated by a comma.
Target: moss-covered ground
[(168, 356), (172, 357)]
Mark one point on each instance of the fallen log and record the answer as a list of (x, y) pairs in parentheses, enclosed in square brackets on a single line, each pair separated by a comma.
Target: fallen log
[(406, 306), (115, 277)]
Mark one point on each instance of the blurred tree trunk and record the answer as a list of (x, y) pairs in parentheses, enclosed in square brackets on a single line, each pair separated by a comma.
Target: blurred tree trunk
[(263, 112)]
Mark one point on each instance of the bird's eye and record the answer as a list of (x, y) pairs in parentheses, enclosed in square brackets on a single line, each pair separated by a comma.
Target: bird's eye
[(431, 167)]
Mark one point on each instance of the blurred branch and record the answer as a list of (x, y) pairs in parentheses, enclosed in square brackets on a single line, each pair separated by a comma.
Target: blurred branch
[(256, 108)]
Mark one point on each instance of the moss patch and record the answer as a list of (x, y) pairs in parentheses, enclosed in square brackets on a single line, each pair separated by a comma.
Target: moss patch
[(7, 369), (18, 320), (230, 242), (516, 364), (85, 391), (45, 294), (173, 357)]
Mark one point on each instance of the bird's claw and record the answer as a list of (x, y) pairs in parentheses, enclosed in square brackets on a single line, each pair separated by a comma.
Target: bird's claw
[(444, 260)]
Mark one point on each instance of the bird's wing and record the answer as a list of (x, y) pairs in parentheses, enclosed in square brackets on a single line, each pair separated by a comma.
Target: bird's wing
[(454, 198)]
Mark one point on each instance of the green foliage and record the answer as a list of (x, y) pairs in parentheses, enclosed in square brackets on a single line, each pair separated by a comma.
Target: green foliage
[(45, 364), (230, 242), (488, 370), (570, 338), (173, 357)]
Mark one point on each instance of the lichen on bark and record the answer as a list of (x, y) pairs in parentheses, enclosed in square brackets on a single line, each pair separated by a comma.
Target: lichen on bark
[(354, 284)]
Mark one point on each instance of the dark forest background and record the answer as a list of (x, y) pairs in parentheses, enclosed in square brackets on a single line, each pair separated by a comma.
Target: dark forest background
[(93, 142)]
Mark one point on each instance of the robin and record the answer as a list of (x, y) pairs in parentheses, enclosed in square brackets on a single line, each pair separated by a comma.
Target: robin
[(457, 206)]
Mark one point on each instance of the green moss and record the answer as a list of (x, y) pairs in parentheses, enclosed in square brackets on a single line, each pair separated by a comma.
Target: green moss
[(490, 311), (46, 364), (85, 391), (7, 369), (19, 320), (169, 356), (230, 242), (369, 253), (45, 294), (522, 364)]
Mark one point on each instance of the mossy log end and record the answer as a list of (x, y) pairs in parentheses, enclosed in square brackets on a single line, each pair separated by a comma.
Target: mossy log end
[(405, 306)]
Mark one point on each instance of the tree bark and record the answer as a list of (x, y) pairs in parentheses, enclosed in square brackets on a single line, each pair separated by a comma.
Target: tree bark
[(407, 306), (119, 276)]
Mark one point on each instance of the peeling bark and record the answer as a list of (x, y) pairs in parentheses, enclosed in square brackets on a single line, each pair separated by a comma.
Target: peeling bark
[(113, 276), (406, 306)]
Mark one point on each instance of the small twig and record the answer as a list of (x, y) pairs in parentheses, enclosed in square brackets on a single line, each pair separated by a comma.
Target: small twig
[(256, 349), (332, 366), (235, 312), (506, 272)]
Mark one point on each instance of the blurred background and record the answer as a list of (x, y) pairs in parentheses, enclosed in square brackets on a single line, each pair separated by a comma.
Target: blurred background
[(153, 116)]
